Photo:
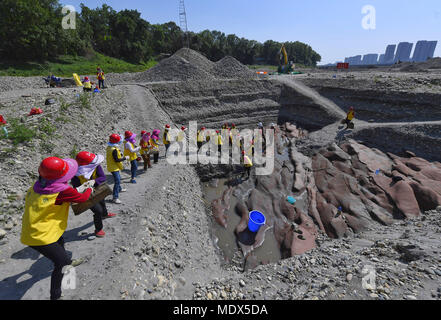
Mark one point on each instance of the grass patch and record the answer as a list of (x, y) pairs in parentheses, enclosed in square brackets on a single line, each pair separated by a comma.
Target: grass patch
[(20, 132), (65, 66), (45, 126), (84, 100), (74, 151)]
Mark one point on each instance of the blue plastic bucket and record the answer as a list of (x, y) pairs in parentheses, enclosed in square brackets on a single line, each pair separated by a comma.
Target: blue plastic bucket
[(256, 220)]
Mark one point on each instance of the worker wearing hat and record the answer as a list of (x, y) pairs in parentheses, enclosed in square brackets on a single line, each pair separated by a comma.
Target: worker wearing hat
[(200, 138), (247, 163), (154, 144), (144, 143), (219, 141), (131, 151), (100, 76), (87, 84), (166, 138), (46, 213), (89, 169), (114, 161), (181, 138), (349, 117)]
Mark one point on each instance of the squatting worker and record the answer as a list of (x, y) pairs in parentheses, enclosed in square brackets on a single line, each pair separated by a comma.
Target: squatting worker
[(46, 212), (350, 115)]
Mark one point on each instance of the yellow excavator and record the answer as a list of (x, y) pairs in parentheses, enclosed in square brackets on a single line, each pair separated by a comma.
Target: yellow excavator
[(284, 65)]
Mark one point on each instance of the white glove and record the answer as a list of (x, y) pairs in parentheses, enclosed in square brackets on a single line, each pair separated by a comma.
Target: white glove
[(85, 186), (127, 158)]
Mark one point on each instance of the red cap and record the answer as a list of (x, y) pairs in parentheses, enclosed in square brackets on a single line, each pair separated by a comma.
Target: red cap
[(217, 131), (114, 138), (84, 158), (243, 152), (351, 108), (167, 126), (203, 128), (128, 134), (143, 132), (183, 128), (86, 78), (53, 168)]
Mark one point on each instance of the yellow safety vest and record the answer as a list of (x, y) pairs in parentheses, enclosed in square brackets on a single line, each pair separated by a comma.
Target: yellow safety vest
[(145, 147), (43, 222), (87, 85), (350, 115), (166, 138), (180, 136), (219, 140), (247, 161), (132, 155), (154, 145), (84, 180), (101, 76), (112, 165), (200, 136)]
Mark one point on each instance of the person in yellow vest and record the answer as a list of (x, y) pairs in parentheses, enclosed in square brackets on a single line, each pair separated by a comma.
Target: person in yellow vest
[(131, 151), (114, 161), (100, 76), (166, 138), (247, 163), (349, 117), (219, 142), (200, 138), (145, 149), (87, 84), (181, 138), (154, 144), (46, 213), (89, 169)]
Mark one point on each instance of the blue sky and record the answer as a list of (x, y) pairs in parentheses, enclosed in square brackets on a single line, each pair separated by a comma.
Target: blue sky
[(332, 27)]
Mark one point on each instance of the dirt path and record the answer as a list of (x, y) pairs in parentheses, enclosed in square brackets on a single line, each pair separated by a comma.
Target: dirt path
[(156, 247)]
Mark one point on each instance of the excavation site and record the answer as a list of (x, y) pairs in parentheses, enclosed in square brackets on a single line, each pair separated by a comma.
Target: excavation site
[(340, 201)]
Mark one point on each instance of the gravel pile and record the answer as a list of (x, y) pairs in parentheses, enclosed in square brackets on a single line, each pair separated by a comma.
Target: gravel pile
[(174, 68), (229, 67), (189, 65)]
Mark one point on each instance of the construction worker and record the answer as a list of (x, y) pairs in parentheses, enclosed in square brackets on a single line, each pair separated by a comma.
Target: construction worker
[(114, 164), (181, 138), (87, 84), (247, 163), (131, 151), (200, 138), (154, 145), (89, 169), (219, 142), (145, 148), (166, 138), (349, 117), (100, 76), (46, 213)]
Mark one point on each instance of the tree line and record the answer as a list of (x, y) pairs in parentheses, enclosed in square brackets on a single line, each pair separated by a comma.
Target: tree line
[(31, 30)]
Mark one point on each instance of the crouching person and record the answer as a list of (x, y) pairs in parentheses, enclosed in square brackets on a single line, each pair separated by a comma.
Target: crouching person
[(46, 212), (90, 170)]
